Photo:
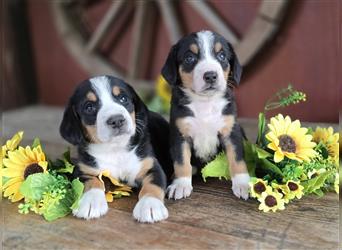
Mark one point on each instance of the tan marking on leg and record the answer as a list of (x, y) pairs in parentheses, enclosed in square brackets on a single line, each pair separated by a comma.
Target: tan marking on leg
[(194, 48), (90, 133), (92, 182), (218, 47), (116, 90), (186, 78), (236, 167), (91, 96), (146, 165), (150, 189), (184, 169), (229, 121), (87, 170), (183, 127)]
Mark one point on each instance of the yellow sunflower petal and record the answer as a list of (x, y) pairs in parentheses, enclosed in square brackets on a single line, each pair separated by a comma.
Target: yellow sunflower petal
[(278, 156), (12, 181)]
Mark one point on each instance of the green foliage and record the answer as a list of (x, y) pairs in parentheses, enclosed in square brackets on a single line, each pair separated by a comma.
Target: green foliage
[(316, 183), (63, 165), (50, 195), (217, 168), (36, 142)]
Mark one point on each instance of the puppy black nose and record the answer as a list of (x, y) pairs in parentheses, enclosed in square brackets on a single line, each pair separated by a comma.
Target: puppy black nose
[(210, 77), (116, 121)]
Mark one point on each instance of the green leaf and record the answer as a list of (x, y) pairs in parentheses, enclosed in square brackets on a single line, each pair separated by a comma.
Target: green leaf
[(217, 168), (35, 185), (262, 154), (318, 192), (269, 168), (57, 210), (63, 165), (261, 127), (315, 183), (36, 142), (77, 187)]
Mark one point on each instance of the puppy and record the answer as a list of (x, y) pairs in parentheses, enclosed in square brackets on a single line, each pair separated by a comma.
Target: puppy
[(201, 69), (113, 130)]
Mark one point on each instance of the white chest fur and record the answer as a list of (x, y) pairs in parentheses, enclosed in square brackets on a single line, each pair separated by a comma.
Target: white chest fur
[(205, 125), (122, 164)]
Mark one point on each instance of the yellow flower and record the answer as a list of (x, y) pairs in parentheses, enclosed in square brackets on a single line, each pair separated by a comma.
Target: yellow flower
[(257, 187), (12, 143), (293, 189), (280, 189), (289, 139), (113, 188), (163, 89), (270, 200), (330, 141), (336, 183), (20, 164)]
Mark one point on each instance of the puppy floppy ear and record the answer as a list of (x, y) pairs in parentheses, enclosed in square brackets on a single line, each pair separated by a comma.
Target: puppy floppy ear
[(70, 128), (235, 67), (170, 68)]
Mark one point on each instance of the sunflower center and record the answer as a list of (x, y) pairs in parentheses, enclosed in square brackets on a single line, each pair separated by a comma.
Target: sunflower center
[(270, 201), (292, 186), (32, 169), (259, 187), (287, 144), (109, 186)]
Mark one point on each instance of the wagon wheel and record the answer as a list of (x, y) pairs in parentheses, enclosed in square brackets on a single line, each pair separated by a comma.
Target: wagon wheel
[(84, 44)]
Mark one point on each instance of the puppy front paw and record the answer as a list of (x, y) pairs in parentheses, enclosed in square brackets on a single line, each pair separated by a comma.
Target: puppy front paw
[(240, 186), (180, 188), (92, 205), (150, 209)]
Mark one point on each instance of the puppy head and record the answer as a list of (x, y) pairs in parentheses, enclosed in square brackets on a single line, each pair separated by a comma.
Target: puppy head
[(102, 109), (203, 62)]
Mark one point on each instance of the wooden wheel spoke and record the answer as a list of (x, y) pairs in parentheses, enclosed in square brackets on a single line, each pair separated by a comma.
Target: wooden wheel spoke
[(171, 20), (138, 33), (104, 25), (214, 20)]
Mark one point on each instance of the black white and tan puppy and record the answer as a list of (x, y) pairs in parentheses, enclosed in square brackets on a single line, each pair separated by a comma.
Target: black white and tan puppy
[(201, 69), (114, 131)]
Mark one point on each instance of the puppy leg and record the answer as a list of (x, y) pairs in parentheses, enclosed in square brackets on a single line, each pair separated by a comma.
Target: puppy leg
[(150, 207), (181, 186), (93, 202), (238, 169)]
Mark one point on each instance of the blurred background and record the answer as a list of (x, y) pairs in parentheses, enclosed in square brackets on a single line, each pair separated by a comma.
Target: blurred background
[(50, 46)]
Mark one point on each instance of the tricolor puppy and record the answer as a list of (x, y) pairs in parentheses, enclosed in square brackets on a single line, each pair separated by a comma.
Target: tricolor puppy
[(114, 131), (201, 69)]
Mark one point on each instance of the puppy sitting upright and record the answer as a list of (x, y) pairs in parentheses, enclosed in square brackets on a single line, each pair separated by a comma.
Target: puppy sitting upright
[(114, 131), (200, 69)]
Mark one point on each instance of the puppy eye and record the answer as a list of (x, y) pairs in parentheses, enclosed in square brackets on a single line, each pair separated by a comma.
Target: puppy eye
[(221, 56), (123, 99), (189, 59), (89, 108)]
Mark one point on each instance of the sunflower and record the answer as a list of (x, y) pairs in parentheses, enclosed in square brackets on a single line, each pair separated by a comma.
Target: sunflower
[(163, 89), (280, 189), (18, 166), (271, 200), (12, 143), (289, 139), (330, 141), (314, 173), (113, 188), (293, 189), (258, 186)]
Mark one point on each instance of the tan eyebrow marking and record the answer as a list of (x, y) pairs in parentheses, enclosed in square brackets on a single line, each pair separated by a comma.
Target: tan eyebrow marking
[(91, 96), (194, 48), (116, 90), (218, 47)]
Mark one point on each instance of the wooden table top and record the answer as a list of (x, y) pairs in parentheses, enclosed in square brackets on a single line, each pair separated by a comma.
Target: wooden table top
[(212, 218)]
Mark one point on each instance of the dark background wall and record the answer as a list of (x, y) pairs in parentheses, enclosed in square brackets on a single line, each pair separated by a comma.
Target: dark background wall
[(305, 52)]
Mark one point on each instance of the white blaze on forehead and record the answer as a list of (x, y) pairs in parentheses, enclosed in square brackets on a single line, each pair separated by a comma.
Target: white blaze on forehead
[(108, 108), (207, 62), (205, 40)]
